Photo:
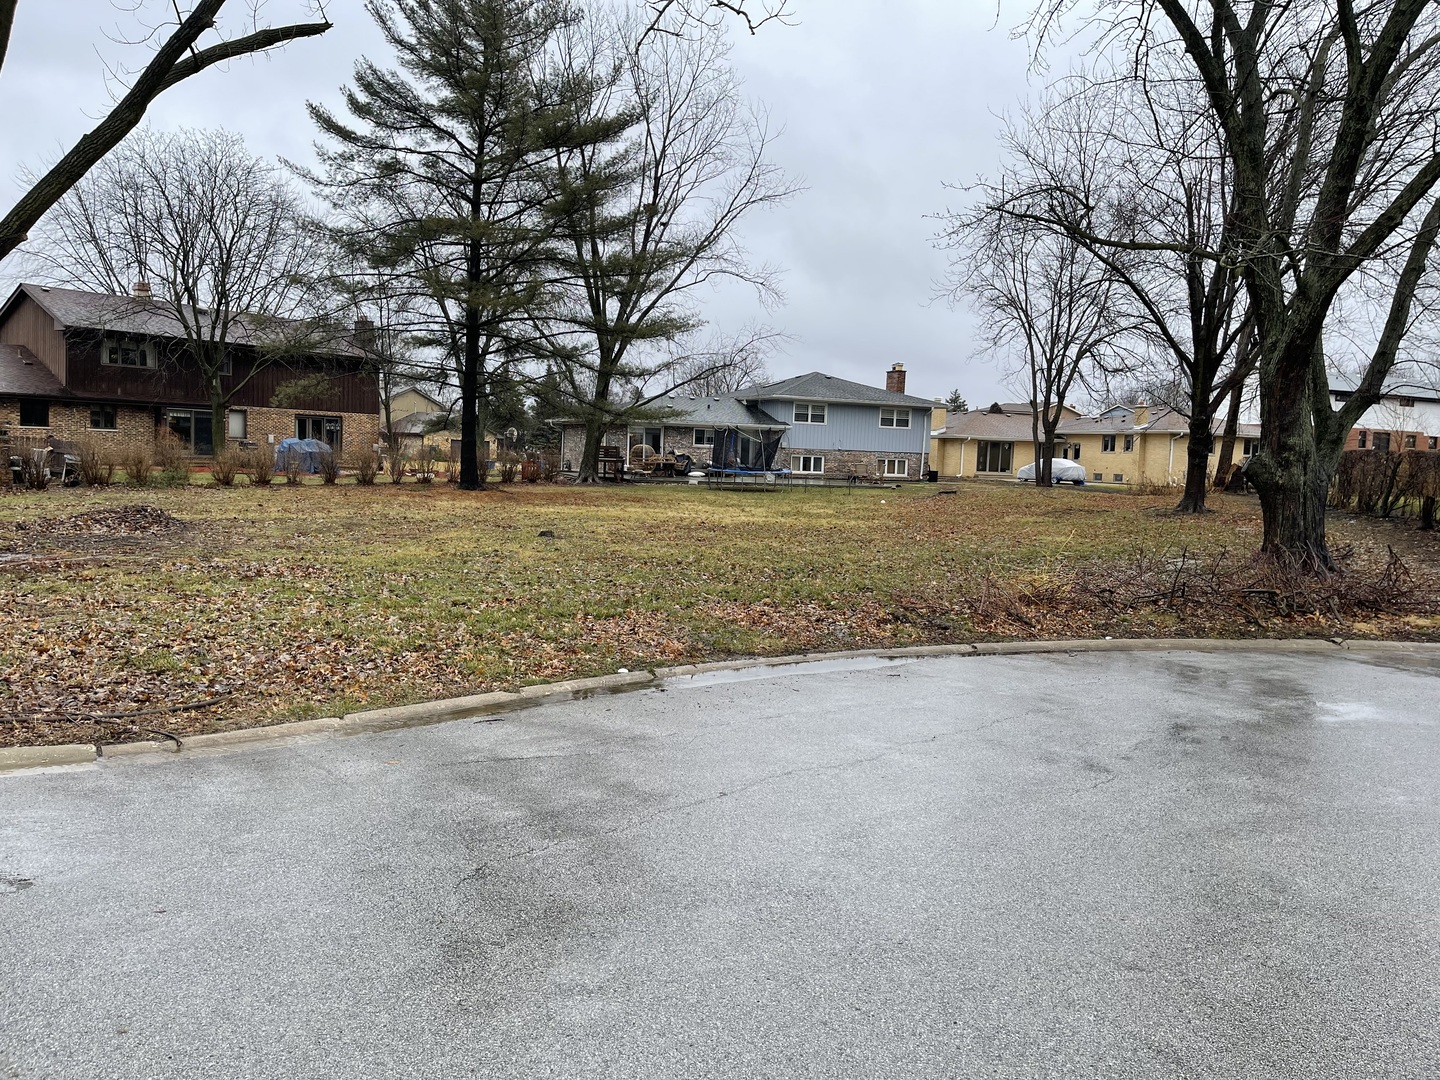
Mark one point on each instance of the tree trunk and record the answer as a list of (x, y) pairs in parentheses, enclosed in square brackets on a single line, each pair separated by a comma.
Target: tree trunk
[(590, 455), (219, 419), (1197, 466), (1227, 441)]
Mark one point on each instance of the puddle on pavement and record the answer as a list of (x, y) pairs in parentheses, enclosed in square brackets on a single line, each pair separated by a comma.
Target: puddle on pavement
[(778, 671)]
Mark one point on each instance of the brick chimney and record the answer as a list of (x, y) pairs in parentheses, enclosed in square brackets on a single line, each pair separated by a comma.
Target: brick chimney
[(895, 379), (141, 290), (364, 333)]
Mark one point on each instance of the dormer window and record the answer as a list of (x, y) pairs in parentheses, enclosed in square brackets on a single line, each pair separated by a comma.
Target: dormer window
[(128, 352)]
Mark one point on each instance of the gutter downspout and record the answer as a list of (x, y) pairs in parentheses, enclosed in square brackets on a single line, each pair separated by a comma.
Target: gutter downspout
[(1170, 469)]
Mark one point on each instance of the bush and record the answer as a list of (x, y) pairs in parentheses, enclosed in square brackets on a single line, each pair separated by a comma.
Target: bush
[(226, 466), (173, 461), (137, 461), (289, 463), (260, 465), (329, 466), (366, 466), (425, 465), (550, 466), (397, 466), (97, 466), (509, 463), (34, 456)]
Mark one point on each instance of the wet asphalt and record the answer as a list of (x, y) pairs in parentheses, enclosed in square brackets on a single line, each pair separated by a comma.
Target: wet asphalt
[(1107, 865)]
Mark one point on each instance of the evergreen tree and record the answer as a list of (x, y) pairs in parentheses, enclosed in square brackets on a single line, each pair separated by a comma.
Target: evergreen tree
[(434, 178)]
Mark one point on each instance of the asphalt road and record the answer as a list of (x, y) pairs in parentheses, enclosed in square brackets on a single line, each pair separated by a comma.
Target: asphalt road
[(1102, 865)]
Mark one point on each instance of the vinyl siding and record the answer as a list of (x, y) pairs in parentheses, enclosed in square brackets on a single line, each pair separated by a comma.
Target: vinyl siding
[(852, 427)]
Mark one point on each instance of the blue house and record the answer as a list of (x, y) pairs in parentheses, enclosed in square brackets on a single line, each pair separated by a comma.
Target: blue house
[(816, 426), (838, 428)]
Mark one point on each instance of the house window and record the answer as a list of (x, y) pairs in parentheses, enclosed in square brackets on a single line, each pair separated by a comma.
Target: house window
[(194, 428), (324, 428), (704, 436), (894, 466), (809, 414), (34, 414), (1251, 446), (226, 367), (1382, 441), (895, 418), (103, 418), (1432, 442), (993, 457), (1071, 451), (1360, 440), (235, 423), (1405, 402), (1129, 443), (1119, 478), (1409, 442), (1098, 476), (128, 352), (1107, 444), (809, 463)]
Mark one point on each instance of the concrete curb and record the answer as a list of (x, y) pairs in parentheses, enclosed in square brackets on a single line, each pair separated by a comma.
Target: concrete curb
[(480, 705)]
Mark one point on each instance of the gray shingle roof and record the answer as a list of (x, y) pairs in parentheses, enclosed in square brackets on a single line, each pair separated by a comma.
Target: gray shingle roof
[(817, 386), (153, 318), (22, 373), (715, 412), (1395, 386), (1007, 426)]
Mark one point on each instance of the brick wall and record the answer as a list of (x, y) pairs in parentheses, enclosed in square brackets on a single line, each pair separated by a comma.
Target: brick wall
[(135, 425), (358, 431), (842, 464)]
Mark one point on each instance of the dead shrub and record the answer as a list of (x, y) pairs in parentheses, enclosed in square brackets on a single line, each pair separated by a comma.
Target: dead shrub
[(33, 456), (397, 466), (226, 466), (289, 463), (260, 464), (137, 461), (174, 462), (424, 467), (97, 463), (329, 466), (1366, 482), (366, 465), (1420, 479), (509, 467), (550, 466)]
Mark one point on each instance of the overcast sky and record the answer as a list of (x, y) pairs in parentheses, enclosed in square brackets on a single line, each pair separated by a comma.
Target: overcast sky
[(880, 104)]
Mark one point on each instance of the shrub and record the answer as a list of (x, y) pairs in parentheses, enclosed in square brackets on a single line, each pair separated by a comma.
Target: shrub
[(397, 466), (366, 465), (550, 466), (425, 465), (137, 461), (97, 465), (173, 461), (260, 464), (509, 463), (329, 466), (290, 465), (34, 457), (226, 466)]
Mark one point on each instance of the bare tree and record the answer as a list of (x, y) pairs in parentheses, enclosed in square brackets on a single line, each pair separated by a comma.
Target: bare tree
[(217, 240), (646, 215), (1045, 303), (1327, 113), (178, 56), (678, 17), (1142, 182), (726, 364)]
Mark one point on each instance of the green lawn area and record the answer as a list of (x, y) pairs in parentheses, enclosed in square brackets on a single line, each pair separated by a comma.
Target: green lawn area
[(298, 601)]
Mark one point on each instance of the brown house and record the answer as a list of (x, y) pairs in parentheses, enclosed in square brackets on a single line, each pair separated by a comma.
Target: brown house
[(117, 368)]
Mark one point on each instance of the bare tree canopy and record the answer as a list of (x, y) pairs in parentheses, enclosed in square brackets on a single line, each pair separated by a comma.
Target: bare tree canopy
[(1327, 116), (215, 240), (647, 216), (181, 53)]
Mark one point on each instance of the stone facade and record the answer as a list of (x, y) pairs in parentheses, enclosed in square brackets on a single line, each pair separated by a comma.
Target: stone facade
[(843, 464), (358, 431)]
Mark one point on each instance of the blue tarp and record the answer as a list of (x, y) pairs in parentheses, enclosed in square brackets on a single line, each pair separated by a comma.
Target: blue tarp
[(309, 451)]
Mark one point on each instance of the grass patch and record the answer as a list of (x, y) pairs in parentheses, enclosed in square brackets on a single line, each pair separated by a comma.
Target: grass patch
[(306, 600)]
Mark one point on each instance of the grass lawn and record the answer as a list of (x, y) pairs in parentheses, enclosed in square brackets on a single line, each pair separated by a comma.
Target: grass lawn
[(310, 600)]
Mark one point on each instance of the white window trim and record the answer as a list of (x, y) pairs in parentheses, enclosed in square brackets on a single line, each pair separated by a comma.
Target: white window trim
[(696, 432), (895, 414), (810, 405), (244, 423), (797, 467), (904, 464)]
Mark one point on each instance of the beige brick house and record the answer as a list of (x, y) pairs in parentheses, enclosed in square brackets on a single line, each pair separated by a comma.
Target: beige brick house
[(76, 364)]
